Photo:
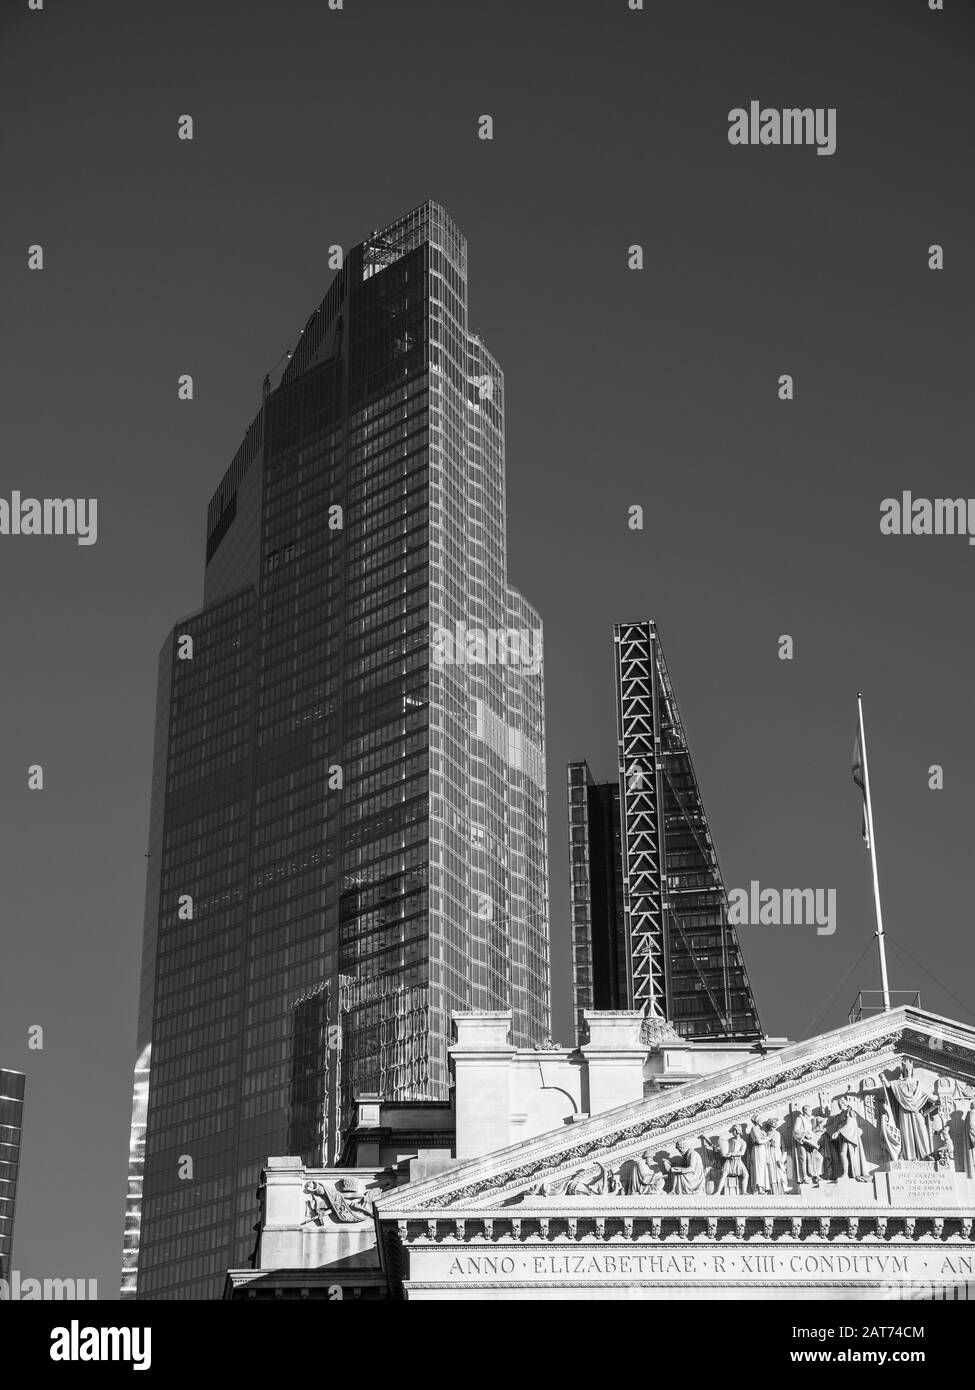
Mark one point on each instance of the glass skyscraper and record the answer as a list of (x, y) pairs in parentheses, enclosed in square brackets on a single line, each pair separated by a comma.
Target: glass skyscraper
[(12, 1084), (649, 909), (348, 832)]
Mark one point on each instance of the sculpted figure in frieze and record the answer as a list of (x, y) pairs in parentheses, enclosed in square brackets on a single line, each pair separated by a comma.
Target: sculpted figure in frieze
[(600, 1182), (970, 1141), (582, 1184), (942, 1147), (759, 1172), (549, 1187), (830, 1144), (686, 1170), (913, 1104), (808, 1131), (848, 1141), (734, 1174), (778, 1175), (712, 1162), (639, 1176)]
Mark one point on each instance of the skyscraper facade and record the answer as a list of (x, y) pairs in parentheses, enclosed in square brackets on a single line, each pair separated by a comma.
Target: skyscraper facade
[(649, 909), (12, 1085), (347, 833)]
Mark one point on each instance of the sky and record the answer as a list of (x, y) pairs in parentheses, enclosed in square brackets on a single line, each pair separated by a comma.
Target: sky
[(656, 387)]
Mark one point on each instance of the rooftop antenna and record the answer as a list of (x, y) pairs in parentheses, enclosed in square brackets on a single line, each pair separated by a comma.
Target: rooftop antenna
[(862, 779)]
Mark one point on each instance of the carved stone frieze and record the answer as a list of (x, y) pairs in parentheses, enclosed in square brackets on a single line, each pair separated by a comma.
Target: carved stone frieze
[(346, 1202), (830, 1116), (590, 1153)]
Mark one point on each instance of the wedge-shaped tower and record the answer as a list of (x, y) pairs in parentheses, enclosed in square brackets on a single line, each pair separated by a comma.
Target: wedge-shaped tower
[(649, 907)]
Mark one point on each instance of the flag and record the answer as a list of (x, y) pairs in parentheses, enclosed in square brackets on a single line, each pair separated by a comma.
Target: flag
[(860, 778)]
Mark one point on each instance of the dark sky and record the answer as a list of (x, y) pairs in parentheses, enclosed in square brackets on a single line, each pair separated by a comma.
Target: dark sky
[(657, 387)]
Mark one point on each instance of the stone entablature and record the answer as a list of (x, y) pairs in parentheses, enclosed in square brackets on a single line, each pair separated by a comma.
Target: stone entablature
[(785, 1267)]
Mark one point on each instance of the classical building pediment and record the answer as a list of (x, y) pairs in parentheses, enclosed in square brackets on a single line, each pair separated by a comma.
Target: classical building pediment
[(674, 1146), (842, 1167), (839, 1168)]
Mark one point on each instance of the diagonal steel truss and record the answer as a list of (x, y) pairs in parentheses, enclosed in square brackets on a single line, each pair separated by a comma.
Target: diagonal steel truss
[(642, 816)]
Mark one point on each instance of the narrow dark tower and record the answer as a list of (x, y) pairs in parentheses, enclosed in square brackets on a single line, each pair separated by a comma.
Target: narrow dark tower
[(12, 1087), (648, 903), (348, 835)]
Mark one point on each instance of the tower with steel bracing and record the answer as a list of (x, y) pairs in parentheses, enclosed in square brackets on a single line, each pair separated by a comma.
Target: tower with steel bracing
[(649, 907)]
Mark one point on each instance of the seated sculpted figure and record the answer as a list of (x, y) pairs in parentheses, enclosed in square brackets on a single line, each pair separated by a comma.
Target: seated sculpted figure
[(686, 1170), (639, 1176)]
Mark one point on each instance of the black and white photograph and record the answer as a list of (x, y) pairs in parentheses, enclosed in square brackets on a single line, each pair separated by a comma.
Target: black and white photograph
[(487, 556)]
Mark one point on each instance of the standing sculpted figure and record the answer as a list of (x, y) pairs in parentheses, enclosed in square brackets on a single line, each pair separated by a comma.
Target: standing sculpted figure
[(734, 1174), (913, 1101), (778, 1178), (759, 1178), (807, 1133), (849, 1145)]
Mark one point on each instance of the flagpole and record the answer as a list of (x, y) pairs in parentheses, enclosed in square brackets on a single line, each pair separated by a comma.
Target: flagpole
[(873, 860)]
